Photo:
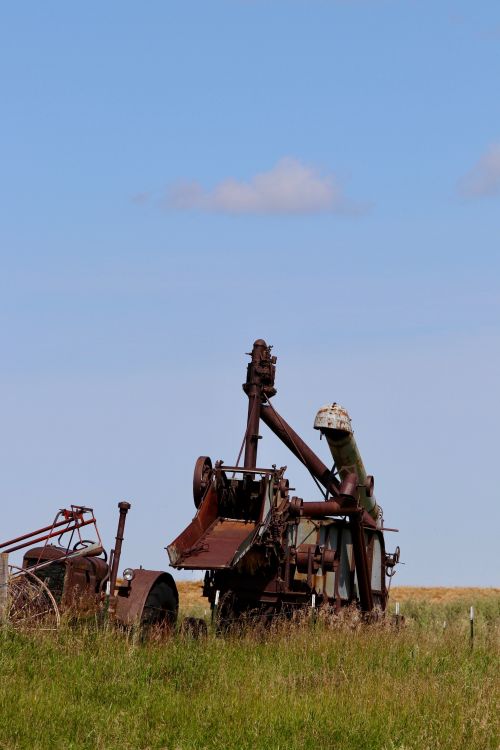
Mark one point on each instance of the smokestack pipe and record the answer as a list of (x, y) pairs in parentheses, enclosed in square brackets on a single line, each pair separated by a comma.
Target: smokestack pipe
[(124, 508)]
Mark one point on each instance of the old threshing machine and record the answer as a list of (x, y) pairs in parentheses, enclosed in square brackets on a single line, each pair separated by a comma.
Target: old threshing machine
[(266, 551), (73, 575)]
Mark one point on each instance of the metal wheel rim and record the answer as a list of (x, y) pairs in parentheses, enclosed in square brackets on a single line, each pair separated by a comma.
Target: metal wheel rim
[(19, 574)]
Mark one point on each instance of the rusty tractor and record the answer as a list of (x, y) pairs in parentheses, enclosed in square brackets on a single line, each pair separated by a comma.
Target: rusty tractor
[(74, 576), (266, 551)]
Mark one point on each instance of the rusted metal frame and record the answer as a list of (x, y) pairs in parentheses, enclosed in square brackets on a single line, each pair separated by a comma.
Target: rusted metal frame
[(124, 508), (253, 389), (97, 550), (361, 562), (287, 565), (252, 431), (336, 585), (259, 385), (322, 509), (273, 420), (77, 514), (33, 533), (299, 448), (310, 565), (245, 470), (369, 555), (382, 569), (30, 541)]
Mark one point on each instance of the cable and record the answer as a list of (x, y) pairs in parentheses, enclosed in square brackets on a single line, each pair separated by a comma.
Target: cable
[(323, 493)]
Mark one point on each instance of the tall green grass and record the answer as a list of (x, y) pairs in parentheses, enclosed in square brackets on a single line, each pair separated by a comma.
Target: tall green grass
[(323, 683)]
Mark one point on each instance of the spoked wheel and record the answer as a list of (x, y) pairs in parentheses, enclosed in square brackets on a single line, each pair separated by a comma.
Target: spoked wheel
[(30, 604)]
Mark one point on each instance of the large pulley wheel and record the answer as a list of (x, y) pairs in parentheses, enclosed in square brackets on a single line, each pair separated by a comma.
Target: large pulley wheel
[(201, 478), (30, 603)]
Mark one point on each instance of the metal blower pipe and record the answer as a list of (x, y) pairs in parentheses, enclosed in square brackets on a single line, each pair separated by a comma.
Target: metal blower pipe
[(335, 424), (311, 461), (320, 509)]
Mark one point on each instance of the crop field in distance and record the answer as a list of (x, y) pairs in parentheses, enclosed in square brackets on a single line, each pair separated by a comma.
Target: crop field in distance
[(319, 681), (191, 599)]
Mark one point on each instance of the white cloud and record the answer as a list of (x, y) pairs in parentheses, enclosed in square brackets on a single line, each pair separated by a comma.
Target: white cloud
[(484, 177), (290, 187)]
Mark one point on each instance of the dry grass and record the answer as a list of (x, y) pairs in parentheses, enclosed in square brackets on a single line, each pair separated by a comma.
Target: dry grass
[(191, 599), (438, 595), (190, 596)]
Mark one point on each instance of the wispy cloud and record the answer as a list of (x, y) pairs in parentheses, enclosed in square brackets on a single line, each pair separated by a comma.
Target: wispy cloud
[(290, 187), (493, 32), (484, 177)]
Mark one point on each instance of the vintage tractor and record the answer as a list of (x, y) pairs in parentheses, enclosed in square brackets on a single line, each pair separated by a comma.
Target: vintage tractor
[(265, 551), (74, 576)]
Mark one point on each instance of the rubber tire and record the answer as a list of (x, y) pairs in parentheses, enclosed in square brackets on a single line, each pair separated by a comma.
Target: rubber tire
[(161, 606)]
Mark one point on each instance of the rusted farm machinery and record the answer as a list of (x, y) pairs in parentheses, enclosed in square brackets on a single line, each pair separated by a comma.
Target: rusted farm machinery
[(265, 551), (74, 576)]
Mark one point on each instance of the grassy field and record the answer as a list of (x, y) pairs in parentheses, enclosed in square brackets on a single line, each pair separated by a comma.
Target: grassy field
[(333, 683)]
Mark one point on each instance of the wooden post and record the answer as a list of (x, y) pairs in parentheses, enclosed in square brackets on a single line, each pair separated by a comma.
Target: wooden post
[(4, 579), (471, 618)]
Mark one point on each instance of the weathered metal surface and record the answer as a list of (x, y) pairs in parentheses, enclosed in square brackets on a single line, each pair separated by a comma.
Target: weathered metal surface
[(335, 424), (30, 604), (72, 576), (262, 548), (67, 520), (123, 508), (70, 570), (74, 580), (205, 516), (333, 417), (132, 599), (217, 547), (259, 382), (201, 477)]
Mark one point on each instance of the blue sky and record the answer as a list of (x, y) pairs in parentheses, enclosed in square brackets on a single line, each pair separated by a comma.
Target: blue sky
[(179, 179)]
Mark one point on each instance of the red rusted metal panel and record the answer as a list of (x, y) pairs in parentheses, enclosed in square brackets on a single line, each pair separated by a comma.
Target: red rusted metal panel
[(132, 599), (217, 547), (205, 516)]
